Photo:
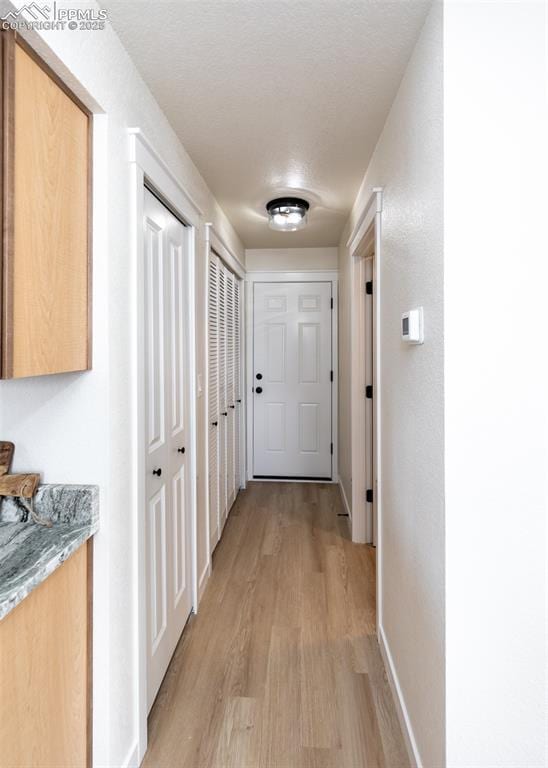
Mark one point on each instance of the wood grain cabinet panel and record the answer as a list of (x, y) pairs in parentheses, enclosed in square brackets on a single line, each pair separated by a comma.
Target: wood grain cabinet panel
[(46, 190), (45, 672)]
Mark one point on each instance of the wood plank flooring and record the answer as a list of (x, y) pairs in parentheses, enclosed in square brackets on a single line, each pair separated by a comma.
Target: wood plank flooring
[(281, 667)]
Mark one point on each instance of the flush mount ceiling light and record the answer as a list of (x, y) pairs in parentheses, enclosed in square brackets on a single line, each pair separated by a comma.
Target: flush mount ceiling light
[(287, 214)]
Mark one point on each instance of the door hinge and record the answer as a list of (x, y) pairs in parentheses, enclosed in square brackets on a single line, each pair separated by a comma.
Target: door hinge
[(369, 287), (331, 303), (369, 391), (331, 375), (369, 495), (331, 449)]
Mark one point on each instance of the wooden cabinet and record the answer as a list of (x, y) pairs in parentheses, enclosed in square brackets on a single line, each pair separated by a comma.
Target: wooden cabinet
[(45, 672), (46, 189)]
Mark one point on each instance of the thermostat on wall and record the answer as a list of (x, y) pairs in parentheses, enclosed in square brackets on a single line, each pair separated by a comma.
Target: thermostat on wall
[(412, 326)]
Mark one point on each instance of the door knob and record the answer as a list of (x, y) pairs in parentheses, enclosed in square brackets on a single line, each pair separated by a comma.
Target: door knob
[(259, 376), (231, 406), (258, 390), (238, 401), (214, 423), (181, 450), (157, 472), (224, 413)]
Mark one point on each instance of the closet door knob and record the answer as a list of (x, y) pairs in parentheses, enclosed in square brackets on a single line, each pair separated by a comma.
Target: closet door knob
[(238, 401), (232, 406), (214, 423), (181, 450), (259, 376), (157, 472), (258, 390), (224, 413)]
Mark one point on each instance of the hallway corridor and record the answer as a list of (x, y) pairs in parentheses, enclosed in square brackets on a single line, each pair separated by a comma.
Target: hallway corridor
[(281, 667)]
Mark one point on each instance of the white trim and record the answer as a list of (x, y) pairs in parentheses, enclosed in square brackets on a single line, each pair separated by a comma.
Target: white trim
[(288, 272), (220, 247), (144, 154), (147, 165), (345, 502), (371, 209), (370, 221), (399, 701), (287, 276), (204, 578), (307, 276), (132, 757)]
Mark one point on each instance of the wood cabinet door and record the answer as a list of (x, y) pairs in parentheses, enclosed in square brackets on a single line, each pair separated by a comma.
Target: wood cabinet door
[(45, 672), (46, 220)]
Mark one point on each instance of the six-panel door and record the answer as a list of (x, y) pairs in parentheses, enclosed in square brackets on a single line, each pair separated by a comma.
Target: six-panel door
[(292, 379)]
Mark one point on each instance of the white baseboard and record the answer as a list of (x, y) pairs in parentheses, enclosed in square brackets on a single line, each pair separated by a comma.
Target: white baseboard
[(132, 757), (399, 701), (204, 578), (345, 502)]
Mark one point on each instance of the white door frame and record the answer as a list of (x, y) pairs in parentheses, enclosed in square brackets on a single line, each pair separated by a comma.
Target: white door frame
[(364, 240), (310, 276), (148, 166)]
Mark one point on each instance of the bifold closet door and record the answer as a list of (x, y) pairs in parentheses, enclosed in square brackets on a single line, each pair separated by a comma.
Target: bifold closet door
[(213, 387), (230, 393), (225, 393), (237, 386), (167, 399), (223, 405)]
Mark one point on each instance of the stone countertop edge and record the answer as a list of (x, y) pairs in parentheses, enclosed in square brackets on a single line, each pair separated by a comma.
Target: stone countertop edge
[(74, 527)]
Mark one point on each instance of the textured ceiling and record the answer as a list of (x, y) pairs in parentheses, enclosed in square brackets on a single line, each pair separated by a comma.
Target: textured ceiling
[(270, 97)]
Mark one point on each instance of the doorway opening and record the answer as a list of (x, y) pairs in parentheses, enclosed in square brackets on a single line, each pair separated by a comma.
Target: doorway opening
[(164, 220), (364, 246)]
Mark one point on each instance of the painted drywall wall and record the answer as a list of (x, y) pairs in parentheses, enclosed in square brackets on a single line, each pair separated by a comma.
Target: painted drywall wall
[(408, 164), (290, 259), (78, 428), (496, 383)]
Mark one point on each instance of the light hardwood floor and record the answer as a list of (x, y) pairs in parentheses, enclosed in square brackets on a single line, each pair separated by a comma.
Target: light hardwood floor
[(281, 667)]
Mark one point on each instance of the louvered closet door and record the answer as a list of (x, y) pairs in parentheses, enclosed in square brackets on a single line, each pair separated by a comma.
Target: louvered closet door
[(213, 386), (237, 385), (223, 405), (231, 399)]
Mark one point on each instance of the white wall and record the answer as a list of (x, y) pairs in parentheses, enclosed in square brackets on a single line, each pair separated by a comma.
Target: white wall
[(77, 428), (290, 259), (496, 423), (408, 164)]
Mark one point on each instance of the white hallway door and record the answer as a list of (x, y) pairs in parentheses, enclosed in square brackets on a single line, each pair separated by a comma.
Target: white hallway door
[(168, 565), (292, 380)]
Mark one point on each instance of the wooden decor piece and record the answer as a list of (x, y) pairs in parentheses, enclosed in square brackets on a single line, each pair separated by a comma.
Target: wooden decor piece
[(45, 672), (21, 485), (6, 455), (46, 190)]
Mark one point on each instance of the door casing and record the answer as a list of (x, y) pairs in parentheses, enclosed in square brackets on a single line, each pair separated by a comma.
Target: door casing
[(310, 276), (365, 236), (148, 167)]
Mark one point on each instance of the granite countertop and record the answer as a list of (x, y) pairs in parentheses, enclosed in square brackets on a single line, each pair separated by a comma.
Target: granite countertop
[(29, 552)]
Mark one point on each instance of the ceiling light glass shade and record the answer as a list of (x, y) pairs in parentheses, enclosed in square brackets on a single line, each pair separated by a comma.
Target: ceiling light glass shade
[(287, 214)]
